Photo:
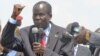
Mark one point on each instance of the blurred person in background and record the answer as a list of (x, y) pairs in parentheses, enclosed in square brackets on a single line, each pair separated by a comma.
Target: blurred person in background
[(8, 52), (92, 37), (79, 49)]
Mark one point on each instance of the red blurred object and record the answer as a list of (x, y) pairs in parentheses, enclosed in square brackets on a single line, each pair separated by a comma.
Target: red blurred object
[(19, 18), (43, 41)]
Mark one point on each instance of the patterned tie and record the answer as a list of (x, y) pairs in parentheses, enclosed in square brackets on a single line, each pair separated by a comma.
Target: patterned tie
[(43, 40)]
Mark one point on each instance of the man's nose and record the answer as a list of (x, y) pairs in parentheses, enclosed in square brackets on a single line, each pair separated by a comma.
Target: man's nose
[(38, 17)]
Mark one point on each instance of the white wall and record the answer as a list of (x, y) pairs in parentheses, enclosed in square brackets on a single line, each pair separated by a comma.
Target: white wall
[(86, 12)]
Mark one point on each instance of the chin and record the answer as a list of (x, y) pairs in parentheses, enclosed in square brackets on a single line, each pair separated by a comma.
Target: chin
[(39, 26)]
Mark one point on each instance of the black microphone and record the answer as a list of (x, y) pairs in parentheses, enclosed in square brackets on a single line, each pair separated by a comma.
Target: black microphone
[(34, 34), (73, 28), (66, 37), (40, 33), (66, 34)]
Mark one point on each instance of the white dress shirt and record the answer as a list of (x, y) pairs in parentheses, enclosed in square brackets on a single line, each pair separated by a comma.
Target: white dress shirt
[(75, 49), (47, 31), (12, 53)]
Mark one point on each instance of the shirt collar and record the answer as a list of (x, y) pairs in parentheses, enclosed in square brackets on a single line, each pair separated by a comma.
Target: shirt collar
[(47, 30)]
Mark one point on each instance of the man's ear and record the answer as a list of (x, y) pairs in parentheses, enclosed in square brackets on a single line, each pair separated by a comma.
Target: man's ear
[(50, 15)]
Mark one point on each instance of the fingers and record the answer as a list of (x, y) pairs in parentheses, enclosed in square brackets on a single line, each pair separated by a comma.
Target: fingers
[(17, 10), (37, 47), (1, 48), (19, 6), (36, 44)]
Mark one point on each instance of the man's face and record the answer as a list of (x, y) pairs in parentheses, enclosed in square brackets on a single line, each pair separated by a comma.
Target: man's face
[(41, 17)]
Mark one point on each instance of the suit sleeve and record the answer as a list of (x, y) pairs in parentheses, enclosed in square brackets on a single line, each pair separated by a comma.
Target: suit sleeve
[(8, 40), (95, 39)]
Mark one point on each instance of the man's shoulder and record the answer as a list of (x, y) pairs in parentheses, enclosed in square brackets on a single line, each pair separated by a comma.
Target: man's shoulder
[(59, 28), (26, 28)]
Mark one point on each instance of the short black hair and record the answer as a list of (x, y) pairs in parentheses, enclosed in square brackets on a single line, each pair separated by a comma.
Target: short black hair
[(48, 6)]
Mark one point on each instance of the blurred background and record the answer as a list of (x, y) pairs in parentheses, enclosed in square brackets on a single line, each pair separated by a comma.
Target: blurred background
[(86, 12)]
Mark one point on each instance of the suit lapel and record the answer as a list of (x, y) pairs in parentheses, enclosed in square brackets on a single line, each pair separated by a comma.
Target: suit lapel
[(52, 38), (70, 49), (27, 44)]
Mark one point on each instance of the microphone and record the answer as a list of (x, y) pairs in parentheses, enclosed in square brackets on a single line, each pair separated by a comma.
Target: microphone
[(66, 34), (41, 38), (66, 37), (73, 28), (40, 33), (34, 34)]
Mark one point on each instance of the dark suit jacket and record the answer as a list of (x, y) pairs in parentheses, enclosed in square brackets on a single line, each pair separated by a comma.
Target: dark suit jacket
[(54, 44), (95, 39), (81, 50)]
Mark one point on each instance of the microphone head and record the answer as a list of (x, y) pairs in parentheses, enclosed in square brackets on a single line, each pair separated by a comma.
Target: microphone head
[(73, 28), (35, 30), (75, 24), (40, 30)]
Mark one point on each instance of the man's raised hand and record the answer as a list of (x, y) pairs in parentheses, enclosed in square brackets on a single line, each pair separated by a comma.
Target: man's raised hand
[(17, 10)]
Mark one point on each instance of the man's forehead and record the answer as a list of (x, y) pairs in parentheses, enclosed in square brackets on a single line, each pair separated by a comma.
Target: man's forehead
[(41, 6)]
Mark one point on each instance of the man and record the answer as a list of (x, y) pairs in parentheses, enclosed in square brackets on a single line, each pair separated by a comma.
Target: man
[(77, 48), (42, 14), (7, 52), (92, 37), (84, 35)]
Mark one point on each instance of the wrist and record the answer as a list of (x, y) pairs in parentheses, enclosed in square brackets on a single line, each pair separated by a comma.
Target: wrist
[(14, 14), (13, 21)]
